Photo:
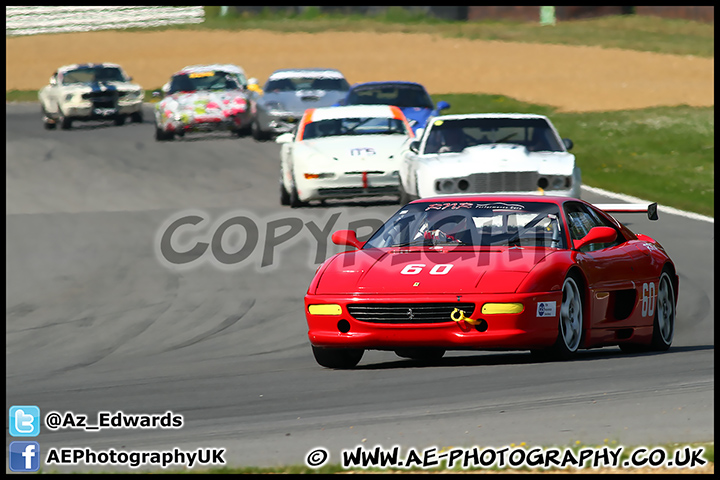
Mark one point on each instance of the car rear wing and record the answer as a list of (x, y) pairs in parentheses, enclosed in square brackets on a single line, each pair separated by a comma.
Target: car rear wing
[(651, 209)]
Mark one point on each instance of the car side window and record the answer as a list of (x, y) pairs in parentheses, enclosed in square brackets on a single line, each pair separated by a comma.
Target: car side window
[(581, 219)]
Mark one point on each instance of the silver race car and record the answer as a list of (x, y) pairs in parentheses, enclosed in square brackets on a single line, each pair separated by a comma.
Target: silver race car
[(289, 92)]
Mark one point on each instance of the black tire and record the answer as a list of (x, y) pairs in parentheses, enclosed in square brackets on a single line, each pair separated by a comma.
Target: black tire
[(48, 123), (294, 199), (422, 354), (257, 133), (664, 321), (136, 117), (243, 132), (284, 195), (119, 120), (65, 122), (161, 136), (404, 196), (340, 358), (570, 324)]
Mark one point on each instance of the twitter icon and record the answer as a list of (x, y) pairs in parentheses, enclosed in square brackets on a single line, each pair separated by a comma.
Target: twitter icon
[(24, 421)]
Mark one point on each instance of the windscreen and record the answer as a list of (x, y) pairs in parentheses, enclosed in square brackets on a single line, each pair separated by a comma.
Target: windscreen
[(306, 83), (472, 223), (458, 134), (354, 126), (93, 74), (212, 80), (403, 96)]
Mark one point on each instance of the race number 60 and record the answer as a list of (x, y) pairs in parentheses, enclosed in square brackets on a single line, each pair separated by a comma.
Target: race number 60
[(648, 299), (415, 268)]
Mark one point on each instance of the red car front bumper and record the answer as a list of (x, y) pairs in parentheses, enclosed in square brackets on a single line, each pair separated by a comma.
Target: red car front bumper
[(531, 328)]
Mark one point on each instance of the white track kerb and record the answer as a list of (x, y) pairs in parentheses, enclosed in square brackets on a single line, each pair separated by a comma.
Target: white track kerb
[(661, 208)]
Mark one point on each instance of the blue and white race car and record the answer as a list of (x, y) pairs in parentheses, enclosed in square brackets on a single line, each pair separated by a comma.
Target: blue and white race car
[(90, 91), (410, 97)]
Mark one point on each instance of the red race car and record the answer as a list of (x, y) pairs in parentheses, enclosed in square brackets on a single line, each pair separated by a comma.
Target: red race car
[(493, 272)]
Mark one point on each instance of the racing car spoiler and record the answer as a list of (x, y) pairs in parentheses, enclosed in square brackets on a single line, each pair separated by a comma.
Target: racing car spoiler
[(651, 209)]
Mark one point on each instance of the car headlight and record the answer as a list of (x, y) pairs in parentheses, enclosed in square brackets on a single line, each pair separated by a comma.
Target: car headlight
[(559, 182), (133, 95), (502, 308), (69, 97), (325, 309), (310, 176)]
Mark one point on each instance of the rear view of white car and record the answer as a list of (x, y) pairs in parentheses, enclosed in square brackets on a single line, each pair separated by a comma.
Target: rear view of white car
[(489, 153), (343, 152), (90, 92)]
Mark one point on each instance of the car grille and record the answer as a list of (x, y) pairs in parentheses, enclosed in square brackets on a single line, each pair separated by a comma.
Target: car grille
[(106, 99), (407, 312), (502, 182), (329, 192)]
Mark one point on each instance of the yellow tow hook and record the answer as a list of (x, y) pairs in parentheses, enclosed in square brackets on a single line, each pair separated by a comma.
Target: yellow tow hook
[(459, 316)]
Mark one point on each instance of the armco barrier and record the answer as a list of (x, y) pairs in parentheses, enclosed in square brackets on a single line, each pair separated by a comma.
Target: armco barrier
[(36, 20)]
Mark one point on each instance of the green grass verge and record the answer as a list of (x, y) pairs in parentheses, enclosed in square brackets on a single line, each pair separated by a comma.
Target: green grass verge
[(661, 154)]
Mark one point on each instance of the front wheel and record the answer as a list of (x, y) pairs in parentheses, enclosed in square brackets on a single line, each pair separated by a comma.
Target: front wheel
[(404, 196), (48, 122), (257, 133), (65, 122), (295, 201), (340, 358), (160, 135), (284, 195)]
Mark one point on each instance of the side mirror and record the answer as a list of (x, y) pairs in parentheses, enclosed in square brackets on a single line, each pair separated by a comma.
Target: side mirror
[(348, 238), (596, 235), (568, 143), (53, 80), (415, 146), (285, 138), (442, 105)]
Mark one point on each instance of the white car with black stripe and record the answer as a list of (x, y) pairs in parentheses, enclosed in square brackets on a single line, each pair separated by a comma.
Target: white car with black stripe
[(489, 153), (90, 91)]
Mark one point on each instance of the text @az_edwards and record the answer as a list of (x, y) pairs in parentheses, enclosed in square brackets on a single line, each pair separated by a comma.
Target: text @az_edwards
[(113, 420)]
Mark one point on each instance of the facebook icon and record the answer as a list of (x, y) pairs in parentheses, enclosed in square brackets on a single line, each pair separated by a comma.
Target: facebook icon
[(24, 456)]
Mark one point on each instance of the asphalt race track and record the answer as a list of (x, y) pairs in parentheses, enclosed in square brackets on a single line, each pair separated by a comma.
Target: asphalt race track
[(95, 321)]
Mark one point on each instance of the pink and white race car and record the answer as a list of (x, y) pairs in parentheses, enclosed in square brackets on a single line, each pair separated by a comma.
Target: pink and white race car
[(203, 98)]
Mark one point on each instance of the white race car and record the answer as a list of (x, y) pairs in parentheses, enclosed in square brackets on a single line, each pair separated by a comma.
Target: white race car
[(341, 152), (90, 91), (489, 153)]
